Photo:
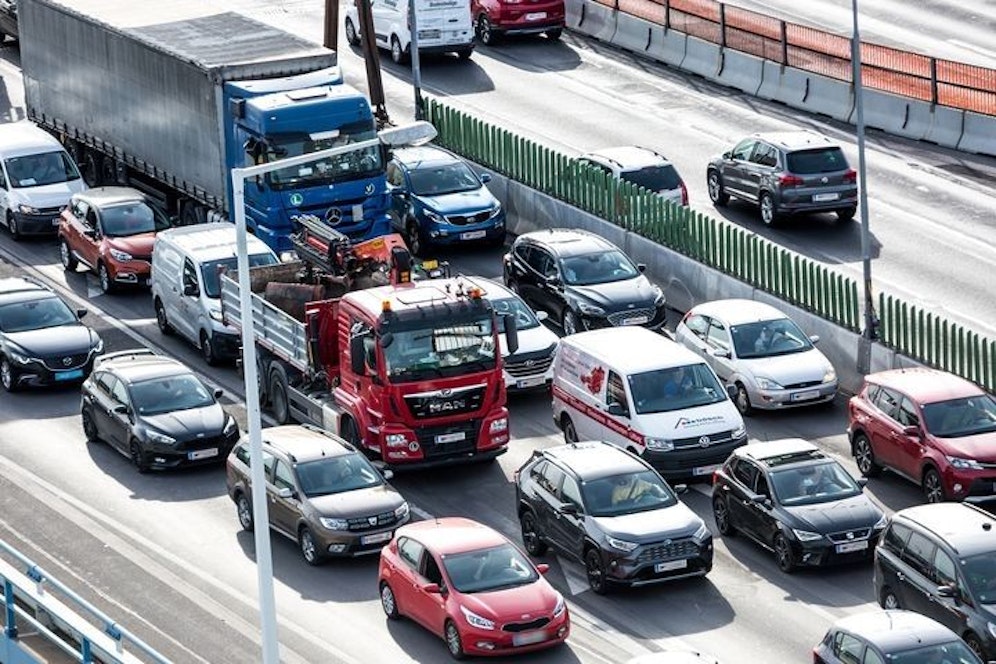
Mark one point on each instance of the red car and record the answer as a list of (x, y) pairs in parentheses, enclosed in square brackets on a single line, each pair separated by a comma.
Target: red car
[(494, 18), (930, 426), (111, 230), (470, 585)]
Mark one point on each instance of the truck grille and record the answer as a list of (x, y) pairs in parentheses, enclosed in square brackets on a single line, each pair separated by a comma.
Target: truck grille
[(357, 524), (428, 438), (526, 626), (620, 317), (466, 219), (672, 551), (529, 364), (445, 402)]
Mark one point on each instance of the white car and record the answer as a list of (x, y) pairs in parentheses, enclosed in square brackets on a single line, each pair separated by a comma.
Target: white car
[(761, 352), (641, 166), (444, 26)]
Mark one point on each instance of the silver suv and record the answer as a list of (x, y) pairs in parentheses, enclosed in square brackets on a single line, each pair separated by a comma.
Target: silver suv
[(786, 173), (641, 166)]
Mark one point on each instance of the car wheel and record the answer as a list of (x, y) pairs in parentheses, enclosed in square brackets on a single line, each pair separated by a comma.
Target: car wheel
[(888, 599), (352, 36), (89, 426), (716, 193), (279, 405), (554, 34), (570, 433), (933, 487), (846, 214), (865, 457), (207, 349), (769, 214), (569, 322), (104, 277), (783, 554), (161, 319), (484, 31), (309, 547), (8, 375), (15, 232), (397, 54), (138, 458), (69, 262), (244, 510), (975, 645), (531, 537), (388, 601), (595, 572), (453, 641), (721, 514), (742, 401), (414, 238), (465, 53)]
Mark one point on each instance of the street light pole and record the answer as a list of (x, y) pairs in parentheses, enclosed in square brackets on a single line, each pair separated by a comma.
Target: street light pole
[(869, 318), (416, 63)]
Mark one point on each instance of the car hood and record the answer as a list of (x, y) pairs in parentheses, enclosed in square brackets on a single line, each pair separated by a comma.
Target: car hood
[(981, 447), (361, 502), (187, 424), (850, 513), (651, 526), (513, 604), (633, 293), (790, 369), (136, 245), (50, 195), (459, 202), (531, 340), (70, 339)]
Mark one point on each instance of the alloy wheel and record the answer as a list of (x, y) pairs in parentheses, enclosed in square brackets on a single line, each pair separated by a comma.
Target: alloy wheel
[(309, 548), (864, 456), (7, 375), (104, 277), (933, 488), (595, 572), (453, 642), (743, 401), (569, 322), (388, 602), (716, 193), (783, 554), (89, 428), (530, 537), (244, 509), (721, 514), (768, 212)]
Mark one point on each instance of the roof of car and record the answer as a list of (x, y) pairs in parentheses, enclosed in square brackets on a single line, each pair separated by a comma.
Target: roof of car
[(210, 241), (966, 528), (738, 311), (628, 157), (780, 452), (23, 138), (305, 443), (137, 365), (797, 140), (21, 289), (590, 460), (569, 242), (896, 630), (926, 385), (424, 155), (102, 196), (453, 534), (632, 349)]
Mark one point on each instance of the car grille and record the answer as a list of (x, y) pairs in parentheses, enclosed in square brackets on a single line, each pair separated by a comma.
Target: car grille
[(526, 626), (466, 219), (808, 383), (433, 450), (142, 257), (694, 457), (60, 363), (445, 402), (709, 441), (859, 534), (685, 548), (620, 316), (201, 444), (358, 524), (529, 364), (49, 212)]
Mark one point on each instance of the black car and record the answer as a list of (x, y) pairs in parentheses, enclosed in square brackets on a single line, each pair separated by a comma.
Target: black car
[(42, 341), (155, 411), (609, 509), (583, 281), (897, 637), (793, 499), (940, 560)]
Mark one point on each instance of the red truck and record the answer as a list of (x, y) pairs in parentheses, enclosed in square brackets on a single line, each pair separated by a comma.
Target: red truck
[(409, 370)]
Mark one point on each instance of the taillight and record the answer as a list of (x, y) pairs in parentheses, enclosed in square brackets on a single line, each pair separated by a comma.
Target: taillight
[(684, 194), (851, 176), (715, 477), (788, 180)]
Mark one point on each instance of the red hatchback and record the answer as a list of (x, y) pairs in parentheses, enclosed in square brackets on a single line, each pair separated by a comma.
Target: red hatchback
[(495, 18), (930, 426), (470, 585)]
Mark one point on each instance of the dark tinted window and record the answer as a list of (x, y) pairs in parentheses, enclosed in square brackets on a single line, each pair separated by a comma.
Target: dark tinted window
[(980, 575), (745, 473), (35, 315), (551, 478), (822, 160), (242, 454), (431, 570), (961, 417), (603, 267), (765, 155), (338, 474), (654, 178), (615, 392), (896, 537), (541, 261), (623, 494), (919, 554), (166, 395), (489, 569), (955, 652), (441, 180), (888, 402)]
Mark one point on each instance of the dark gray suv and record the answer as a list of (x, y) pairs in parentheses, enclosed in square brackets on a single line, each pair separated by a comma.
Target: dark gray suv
[(786, 173)]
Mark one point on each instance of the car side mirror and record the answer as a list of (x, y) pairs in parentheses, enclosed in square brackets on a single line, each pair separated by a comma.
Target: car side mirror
[(814, 339), (862, 482), (543, 568), (218, 393), (431, 588), (485, 178), (90, 233), (542, 316), (387, 474), (616, 408), (285, 492), (680, 488), (728, 155), (569, 509), (553, 279), (191, 289), (731, 391), (80, 313), (911, 431), (642, 267), (120, 409), (721, 352), (399, 192)]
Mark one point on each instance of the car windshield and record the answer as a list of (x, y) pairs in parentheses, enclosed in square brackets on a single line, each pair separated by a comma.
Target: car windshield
[(211, 272), (768, 339), (980, 575), (525, 319), (443, 179), (623, 494), (131, 218), (35, 315), (35, 170), (955, 418), (822, 160), (599, 268), (337, 474), (813, 483), (434, 352), (663, 390), (955, 652), (654, 178), (170, 394), (353, 165), (491, 569)]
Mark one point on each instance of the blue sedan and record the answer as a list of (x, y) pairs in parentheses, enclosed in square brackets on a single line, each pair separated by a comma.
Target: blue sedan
[(440, 200)]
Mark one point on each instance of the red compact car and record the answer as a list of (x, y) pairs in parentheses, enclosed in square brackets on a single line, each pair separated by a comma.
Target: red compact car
[(495, 18), (470, 585), (930, 426)]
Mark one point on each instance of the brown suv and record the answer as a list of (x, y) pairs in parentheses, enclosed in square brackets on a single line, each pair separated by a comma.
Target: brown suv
[(323, 492)]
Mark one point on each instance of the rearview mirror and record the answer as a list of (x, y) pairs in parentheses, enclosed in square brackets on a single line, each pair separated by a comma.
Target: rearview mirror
[(485, 178), (721, 352), (80, 313), (285, 492), (431, 588), (542, 568), (218, 393)]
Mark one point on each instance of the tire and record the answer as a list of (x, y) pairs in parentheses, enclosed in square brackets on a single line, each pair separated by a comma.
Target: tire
[(594, 571), (279, 403), (207, 350), (975, 645), (243, 508), (350, 433), (846, 214), (69, 262), (309, 548), (92, 168), (89, 426), (784, 557), (161, 319), (453, 641), (864, 456), (570, 433), (742, 401), (888, 599), (569, 322), (15, 232), (933, 486), (138, 457), (721, 515), (465, 53), (414, 239), (352, 36), (554, 35), (388, 601), (485, 32), (531, 537), (769, 213), (104, 277), (190, 214), (717, 194), (8, 375), (397, 54)]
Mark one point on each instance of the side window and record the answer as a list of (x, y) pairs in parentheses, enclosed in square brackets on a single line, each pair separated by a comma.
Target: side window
[(103, 381), (743, 150), (268, 462), (762, 486), (615, 392), (536, 472), (524, 253), (919, 554), (410, 551), (764, 155), (430, 569), (552, 478), (895, 538), (542, 262), (888, 401), (945, 573), (395, 175), (91, 218), (570, 492), (189, 274), (718, 336), (848, 649), (118, 392), (3, 179), (283, 476), (242, 454), (745, 473), (699, 325), (907, 415), (872, 657), (80, 209)]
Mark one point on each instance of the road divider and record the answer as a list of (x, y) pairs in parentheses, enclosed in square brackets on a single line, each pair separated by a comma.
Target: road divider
[(702, 58), (636, 34), (978, 134), (741, 71)]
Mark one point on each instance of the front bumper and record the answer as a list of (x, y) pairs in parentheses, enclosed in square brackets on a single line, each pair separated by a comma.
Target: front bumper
[(794, 397), (43, 223), (654, 321), (500, 641), (131, 273), (657, 563), (823, 552), (197, 452), (692, 462), (450, 234), (38, 372), (348, 544), (970, 485)]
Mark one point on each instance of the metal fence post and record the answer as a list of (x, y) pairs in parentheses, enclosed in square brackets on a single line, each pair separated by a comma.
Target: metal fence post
[(784, 42), (722, 24), (933, 82)]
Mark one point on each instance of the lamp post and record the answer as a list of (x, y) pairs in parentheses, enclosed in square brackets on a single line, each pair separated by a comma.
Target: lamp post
[(416, 61), (413, 134), (869, 318)]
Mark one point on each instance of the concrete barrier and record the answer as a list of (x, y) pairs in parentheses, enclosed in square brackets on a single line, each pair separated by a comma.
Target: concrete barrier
[(897, 115), (573, 10), (741, 71), (636, 34), (946, 126), (978, 134), (597, 21), (771, 81), (701, 57), (670, 49), (827, 96)]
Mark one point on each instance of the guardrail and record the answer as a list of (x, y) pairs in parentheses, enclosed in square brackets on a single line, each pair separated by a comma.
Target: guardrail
[(81, 632)]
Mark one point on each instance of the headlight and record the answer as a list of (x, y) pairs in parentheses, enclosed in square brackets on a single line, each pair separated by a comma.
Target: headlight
[(475, 620), (658, 444), (434, 217), (334, 524), (830, 375), (806, 536), (496, 211), (498, 426), (27, 209), (561, 605), (395, 439), (21, 359), (231, 426), (119, 255), (622, 545), (992, 629), (590, 309), (160, 438), (216, 314), (702, 533), (964, 464), (99, 346), (402, 511), (881, 523), (658, 296), (288, 256), (740, 431), (767, 384)]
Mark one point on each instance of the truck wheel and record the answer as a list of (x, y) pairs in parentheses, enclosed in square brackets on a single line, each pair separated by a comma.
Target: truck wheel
[(352, 36), (15, 232), (93, 167), (279, 404), (398, 55)]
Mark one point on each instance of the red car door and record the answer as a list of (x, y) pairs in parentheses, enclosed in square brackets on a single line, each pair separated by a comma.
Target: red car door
[(89, 239), (411, 596), (910, 449), (883, 427), (431, 605)]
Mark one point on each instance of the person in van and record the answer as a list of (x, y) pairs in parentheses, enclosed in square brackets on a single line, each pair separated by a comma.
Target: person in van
[(679, 383)]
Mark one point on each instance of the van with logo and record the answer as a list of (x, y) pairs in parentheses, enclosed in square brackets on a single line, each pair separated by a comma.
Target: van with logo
[(639, 390), (444, 26), (186, 284)]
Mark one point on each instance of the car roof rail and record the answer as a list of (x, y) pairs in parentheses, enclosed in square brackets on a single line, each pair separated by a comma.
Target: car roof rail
[(126, 355), (328, 434)]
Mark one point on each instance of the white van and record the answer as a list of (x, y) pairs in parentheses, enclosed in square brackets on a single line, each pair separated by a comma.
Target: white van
[(37, 179), (643, 392), (444, 26), (186, 287)]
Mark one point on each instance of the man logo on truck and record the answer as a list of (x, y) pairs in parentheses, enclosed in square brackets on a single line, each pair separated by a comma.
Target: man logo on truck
[(447, 406)]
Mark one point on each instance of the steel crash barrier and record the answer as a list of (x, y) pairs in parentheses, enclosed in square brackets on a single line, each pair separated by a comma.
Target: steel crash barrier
[(43, 620), (550, 188)]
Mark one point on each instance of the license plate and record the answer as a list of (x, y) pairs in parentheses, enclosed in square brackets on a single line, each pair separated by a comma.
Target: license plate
[(473, 235), (451, 437), (706, 470), (805, 396), (635, 320), (535, 16), (377, 537), (671, 566), (848, 547), (55, 222), (528, 382), (69, 375), (202, 454), (529, 638), (820, 198), (428, 34)]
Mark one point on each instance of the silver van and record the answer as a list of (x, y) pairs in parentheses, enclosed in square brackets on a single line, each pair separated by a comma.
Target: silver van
[(186, 289)]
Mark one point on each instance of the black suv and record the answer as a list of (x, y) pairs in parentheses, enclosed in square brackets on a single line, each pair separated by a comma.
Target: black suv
[(583, 281), (786, 173), (940, 560), (609, 509), (42, 341)]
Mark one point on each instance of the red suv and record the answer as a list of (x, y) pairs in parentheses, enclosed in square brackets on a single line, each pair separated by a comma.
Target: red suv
[(494, 18), (930, 426)]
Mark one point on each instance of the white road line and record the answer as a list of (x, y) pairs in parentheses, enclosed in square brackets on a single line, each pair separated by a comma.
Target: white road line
[(577, 582)]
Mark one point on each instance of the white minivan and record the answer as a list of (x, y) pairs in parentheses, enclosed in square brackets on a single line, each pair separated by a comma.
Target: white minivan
[(37, 179), (186, 284), (444, 26), (645, 393)]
